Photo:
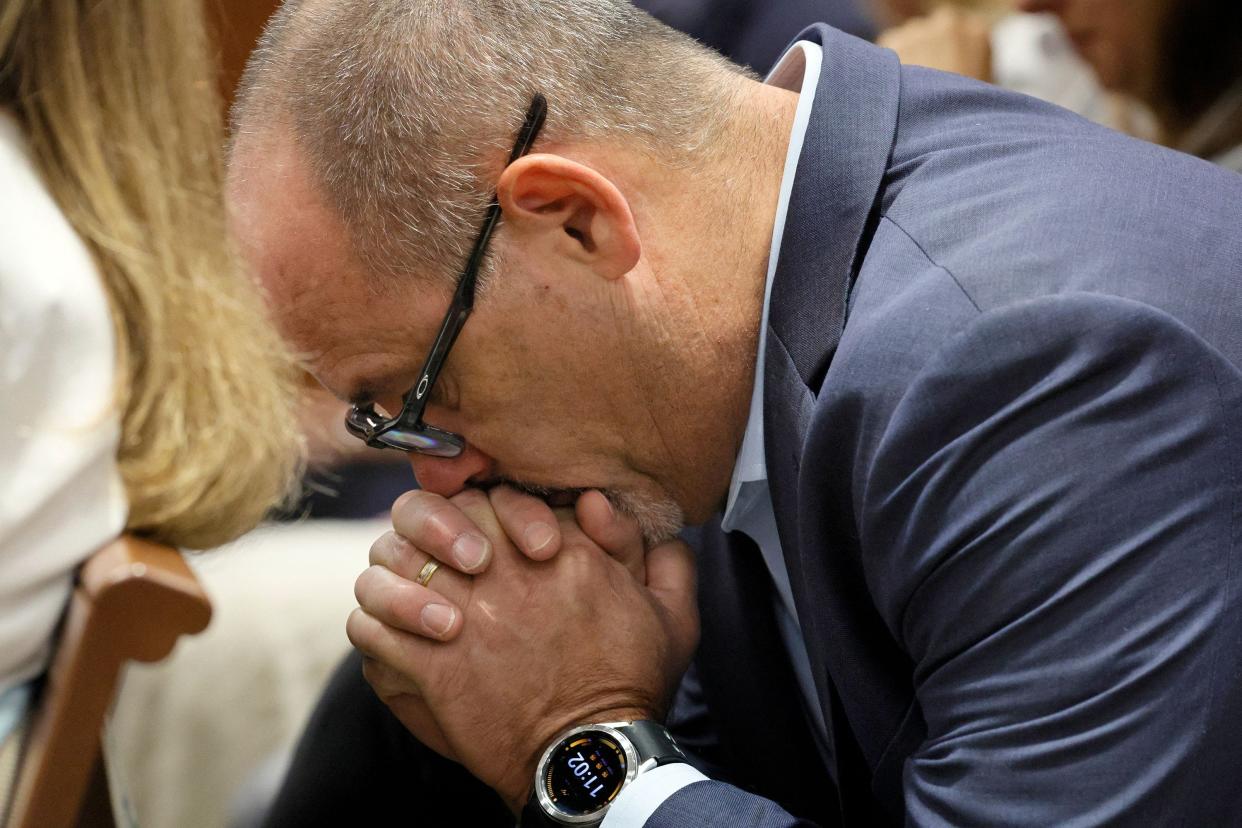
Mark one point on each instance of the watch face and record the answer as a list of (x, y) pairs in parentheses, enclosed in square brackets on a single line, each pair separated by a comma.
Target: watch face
[(585, 773)]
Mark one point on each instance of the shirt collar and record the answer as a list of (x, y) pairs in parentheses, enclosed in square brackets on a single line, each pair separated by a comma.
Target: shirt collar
[(798, 70)]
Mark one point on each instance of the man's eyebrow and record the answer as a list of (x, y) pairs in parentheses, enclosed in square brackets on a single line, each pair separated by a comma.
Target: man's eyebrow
[(364, 395), (372, 389)]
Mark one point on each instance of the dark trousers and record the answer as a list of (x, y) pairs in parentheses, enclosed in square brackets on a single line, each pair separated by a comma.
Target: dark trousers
[(357, 765)]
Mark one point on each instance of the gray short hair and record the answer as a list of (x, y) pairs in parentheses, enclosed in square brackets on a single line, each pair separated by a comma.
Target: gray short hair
[(404, 108)]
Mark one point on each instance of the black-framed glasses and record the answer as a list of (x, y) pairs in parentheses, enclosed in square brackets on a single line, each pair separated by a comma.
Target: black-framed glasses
[(407, 431)]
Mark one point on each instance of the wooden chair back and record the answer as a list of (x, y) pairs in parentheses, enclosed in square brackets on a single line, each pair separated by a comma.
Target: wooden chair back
[(133, 600)]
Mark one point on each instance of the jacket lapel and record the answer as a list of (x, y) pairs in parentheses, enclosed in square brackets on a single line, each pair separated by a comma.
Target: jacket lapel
[(833, 205), (832, 211)]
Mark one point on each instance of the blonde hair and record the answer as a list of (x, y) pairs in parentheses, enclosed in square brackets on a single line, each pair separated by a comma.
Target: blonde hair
[(120, 104)]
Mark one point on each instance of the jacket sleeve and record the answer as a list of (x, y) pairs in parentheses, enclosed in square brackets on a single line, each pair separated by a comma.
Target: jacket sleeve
[(1050, 527), (712, 802), (719, 805)]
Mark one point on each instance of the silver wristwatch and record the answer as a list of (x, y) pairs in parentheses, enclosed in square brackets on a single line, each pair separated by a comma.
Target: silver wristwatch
[(586, 767)]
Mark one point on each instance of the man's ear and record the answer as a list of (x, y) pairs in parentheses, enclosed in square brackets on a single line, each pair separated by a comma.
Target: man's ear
[(571, 209)]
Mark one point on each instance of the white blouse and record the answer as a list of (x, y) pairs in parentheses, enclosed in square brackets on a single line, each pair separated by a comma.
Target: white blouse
[(61, 496)]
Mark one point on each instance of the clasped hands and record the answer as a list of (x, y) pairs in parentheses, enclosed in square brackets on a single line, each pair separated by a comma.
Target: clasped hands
[(513, 641)]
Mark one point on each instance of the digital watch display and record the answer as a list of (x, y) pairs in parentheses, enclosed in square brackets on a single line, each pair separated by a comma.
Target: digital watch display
[(585, 773)]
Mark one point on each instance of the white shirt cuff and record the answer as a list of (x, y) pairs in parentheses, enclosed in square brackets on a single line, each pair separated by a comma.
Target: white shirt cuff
[(640, 799)]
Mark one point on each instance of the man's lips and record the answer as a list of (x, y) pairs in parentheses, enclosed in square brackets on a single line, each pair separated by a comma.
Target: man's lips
[(562, 498)]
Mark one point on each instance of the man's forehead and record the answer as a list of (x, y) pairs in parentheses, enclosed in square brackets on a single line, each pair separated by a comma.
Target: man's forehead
[(354, 338), (279, 213)]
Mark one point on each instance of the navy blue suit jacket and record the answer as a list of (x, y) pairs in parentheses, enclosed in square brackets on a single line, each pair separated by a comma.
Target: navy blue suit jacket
[(1009, 496)]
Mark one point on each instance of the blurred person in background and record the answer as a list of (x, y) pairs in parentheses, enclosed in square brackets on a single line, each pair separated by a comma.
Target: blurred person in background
[(141, 387), (989, 40), (1167, 71), (1181, 58)]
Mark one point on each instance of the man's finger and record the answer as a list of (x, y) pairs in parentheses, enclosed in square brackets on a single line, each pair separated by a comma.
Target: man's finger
[(388, 645), (399, 693), (439, 528), (617, 534), (407, 606), (528, 521), (387, 682), (478, 509), (398, 555)]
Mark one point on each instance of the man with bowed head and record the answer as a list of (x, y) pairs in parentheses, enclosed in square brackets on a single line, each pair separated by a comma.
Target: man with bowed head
[(948, 377)]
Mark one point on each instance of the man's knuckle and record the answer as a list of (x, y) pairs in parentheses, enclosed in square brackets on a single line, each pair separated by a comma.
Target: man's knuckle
[(504, 494), (385, 548), (469, 499), (435, 525), (363, 585), (355, 628), (401, 502), (517, 506), (412, 500), (417, 514), (403, 606), (403, 552), (581, 562)]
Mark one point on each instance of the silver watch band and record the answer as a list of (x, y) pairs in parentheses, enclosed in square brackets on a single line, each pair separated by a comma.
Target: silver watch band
[(653, 743)]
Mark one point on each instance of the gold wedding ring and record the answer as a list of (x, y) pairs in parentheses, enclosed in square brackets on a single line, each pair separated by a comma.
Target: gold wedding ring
[(424, 574)]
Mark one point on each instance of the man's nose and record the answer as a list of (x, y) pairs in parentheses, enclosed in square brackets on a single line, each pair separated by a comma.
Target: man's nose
[(448, 476)]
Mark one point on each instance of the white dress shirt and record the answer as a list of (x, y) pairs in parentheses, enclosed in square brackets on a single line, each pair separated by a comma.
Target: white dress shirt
[(749, 507), (61, 495)]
